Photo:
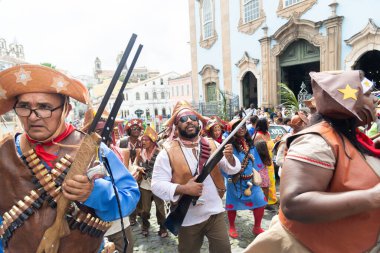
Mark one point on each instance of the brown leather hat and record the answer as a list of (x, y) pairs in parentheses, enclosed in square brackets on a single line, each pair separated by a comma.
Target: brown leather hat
[(340, 95), (28, 78)]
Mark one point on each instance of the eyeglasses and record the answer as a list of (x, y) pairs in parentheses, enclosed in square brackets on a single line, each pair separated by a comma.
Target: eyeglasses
[(135, 128), (40, 113), (183, 119)]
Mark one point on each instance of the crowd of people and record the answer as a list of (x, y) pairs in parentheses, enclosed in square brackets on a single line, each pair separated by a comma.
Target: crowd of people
[(328, 162)]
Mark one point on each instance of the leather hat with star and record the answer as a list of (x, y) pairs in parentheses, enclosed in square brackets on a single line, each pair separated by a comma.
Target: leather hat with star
[(213, 121), (27, 78), (340, 95), (178, 109), (132, 122), (151, 133)]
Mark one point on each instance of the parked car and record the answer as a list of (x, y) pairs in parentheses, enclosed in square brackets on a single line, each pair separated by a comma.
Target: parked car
[(275, 130)]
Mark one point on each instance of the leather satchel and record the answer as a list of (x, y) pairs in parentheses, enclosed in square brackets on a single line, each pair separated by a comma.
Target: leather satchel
[(256, 179)]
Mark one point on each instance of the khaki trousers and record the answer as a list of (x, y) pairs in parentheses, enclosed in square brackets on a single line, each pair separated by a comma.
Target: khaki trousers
[(118, 240), (190, 239), (146, 202)]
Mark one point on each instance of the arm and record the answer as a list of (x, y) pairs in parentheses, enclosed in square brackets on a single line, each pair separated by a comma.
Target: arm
[(304, 197), (162, 185), (230, 164), (280, 154), (103, 198)]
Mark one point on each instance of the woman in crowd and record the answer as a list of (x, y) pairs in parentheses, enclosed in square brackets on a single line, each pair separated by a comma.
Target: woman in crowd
[(215, 128), (262, 133), (143, 164), (242, 193), (330, 186), (262, 150)]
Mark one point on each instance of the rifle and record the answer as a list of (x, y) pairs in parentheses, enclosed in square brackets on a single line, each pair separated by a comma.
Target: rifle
[(87, 151), (175, 219)]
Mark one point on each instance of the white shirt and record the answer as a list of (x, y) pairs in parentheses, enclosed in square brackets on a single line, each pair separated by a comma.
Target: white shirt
[(163, 188)]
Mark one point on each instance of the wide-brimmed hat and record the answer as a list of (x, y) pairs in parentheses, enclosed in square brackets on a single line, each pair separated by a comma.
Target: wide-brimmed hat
[(151, 133), (178, 109), (214, 121), (339, 95), (28, 78), (134, 122)]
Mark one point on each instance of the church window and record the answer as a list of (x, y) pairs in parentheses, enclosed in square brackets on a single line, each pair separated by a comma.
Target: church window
[(207, 19), (288, 3), (251, 10), (137, 96)]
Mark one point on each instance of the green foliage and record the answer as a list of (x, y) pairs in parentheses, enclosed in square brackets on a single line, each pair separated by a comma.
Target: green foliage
[(47, 64), (288, 99)]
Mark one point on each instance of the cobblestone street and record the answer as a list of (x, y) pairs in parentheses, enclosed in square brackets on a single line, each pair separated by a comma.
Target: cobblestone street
[(153, 243)]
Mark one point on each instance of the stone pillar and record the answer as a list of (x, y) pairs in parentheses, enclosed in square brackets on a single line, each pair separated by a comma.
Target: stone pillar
[(334, 43), (226, 45), (266, 68), (193, 49)]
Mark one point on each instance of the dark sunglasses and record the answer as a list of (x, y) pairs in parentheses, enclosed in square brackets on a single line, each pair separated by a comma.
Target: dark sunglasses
[(183, 119)]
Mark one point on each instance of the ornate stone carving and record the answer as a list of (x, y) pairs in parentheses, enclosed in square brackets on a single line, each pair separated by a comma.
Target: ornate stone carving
[(207, 43), (293, 30), (252, 26), (366, 40), (295, 10), (247, 64), (209, 74)]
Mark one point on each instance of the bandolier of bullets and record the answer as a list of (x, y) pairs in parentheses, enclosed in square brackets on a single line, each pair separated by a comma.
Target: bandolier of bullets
[(19, 213), (48, 184), (88, 224)]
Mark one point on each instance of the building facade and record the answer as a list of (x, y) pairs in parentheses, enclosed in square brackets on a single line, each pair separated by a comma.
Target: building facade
[(11, 55), (148, 99), (180, 88), (247, 47)]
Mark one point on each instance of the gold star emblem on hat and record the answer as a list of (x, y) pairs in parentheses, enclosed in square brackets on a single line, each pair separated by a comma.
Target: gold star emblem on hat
[(59, 83), (349, 92), (2, 93), (23, 76), (367, 83)]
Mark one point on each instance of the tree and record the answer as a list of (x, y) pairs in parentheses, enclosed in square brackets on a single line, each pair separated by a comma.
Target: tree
[(47, 64), (288, 99)]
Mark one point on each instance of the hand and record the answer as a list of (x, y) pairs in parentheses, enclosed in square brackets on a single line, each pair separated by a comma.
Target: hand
[(191, 188), (228, 153), (78, 188), (375, 196), (278, 138), (140, 169)]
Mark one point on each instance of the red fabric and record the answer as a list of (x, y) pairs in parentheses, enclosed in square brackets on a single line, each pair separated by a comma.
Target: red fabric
[(39, 148), (367, 143), (258, 214), (219, 139)]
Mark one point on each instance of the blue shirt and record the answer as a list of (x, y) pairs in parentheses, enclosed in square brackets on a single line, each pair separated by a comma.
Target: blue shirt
[(102, 198)]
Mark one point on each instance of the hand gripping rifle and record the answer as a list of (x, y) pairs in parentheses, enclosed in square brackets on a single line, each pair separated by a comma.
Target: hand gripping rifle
[(87, 151), (175, 218)]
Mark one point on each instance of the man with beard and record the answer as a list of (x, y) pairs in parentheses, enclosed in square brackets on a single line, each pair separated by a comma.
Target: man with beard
[(174, 174)]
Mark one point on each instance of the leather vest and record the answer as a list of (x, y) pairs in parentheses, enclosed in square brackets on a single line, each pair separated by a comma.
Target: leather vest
[(357, 233), (181, 172), (16, 182), (124, 143)]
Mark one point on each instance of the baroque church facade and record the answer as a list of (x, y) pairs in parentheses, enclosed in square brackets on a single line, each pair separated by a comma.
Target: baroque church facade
[(10, 55), (247, 47)]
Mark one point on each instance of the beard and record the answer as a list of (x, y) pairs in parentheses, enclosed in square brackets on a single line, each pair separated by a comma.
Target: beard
[(186, 135)]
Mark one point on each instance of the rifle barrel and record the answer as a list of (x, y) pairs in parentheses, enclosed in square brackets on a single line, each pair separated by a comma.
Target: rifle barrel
[(175, 219), (112, 85)]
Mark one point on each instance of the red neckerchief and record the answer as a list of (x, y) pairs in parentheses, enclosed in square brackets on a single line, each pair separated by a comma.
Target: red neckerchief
[(219, 139), (243, 143), (39, 148), (367, 143)]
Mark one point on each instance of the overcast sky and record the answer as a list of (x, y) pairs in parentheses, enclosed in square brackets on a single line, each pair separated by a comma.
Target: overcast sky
[(72, 33)]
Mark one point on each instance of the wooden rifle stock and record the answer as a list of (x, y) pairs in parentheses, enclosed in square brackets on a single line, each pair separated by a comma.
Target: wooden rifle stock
[(85, 155), (175, 219)]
